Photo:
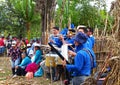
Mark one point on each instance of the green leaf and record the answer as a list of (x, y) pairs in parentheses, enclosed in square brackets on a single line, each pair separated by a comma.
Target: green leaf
[(59, 2)]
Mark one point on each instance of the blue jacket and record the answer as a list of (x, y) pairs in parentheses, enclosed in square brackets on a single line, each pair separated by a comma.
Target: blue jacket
[(70, 41), (82, 63), (25, 62), (92, 38), (64, 32), (89, 43), (80, 47), (56, 41), (38, 57)]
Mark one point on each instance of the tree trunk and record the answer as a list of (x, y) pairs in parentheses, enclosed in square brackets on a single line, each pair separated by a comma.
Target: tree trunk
[(46, 10), (28, 30)]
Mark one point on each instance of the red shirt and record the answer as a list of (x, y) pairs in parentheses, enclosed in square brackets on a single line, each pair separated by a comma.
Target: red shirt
[(1, 42), (27, 42)]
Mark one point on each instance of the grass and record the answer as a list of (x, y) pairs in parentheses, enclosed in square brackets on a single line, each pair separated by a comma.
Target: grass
[(6, 79)]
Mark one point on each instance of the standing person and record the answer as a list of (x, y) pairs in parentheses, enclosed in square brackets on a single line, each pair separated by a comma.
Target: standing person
[(26, 40), (8, 44), (83, 29), (55, 38), (2, 45), (70, 39), (82, 66), (90, 35), (14, 53)]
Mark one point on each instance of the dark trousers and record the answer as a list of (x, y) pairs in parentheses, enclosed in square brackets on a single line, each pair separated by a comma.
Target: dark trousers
[(20, 71)]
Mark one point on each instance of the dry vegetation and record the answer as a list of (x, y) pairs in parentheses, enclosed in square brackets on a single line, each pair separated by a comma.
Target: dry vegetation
[(6, 79)]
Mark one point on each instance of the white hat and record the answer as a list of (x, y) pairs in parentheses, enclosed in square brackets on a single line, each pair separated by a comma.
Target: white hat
[(36, 44), (28, 45), (80, 26), (13, 43)]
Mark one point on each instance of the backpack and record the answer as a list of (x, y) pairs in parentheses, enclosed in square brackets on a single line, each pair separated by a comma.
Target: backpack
[(91, 58)]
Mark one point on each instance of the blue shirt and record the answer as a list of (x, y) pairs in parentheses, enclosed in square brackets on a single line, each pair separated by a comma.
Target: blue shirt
[(38, 57), (56, 41), (25, 62), (89, 43), (92, 38), (64, 32), (70, 41), (79, 47), (82, 63)]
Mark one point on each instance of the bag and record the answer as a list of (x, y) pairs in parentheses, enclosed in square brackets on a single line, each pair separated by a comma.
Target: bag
[(39, 72), (91, 58)]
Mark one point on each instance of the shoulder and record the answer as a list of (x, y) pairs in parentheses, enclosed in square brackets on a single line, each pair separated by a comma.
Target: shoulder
[(27, 58), (38, 51)]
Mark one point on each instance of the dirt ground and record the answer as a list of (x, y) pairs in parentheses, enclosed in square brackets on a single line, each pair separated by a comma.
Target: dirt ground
[(6, 78)]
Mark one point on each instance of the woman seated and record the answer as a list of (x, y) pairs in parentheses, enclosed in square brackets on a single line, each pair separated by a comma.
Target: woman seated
[(36, 59), (20, 69)]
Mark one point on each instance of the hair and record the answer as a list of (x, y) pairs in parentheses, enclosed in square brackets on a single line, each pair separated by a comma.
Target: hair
[(90, 29), (72, 30), (84, 29), (57, 28), (24, 53), (23, 40)]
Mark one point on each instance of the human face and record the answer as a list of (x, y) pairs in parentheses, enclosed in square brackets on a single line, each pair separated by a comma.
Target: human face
[(81, 30), (36, 48), (23, 55), (76, 43), (55, 32)]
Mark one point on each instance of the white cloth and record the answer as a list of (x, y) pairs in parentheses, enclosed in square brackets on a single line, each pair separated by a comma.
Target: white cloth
[(64, 51)]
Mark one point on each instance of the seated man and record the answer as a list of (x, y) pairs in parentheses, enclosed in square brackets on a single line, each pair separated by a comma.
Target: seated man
[(20, 69), (83, 63)]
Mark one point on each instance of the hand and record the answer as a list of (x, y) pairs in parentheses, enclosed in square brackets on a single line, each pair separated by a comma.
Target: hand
[(51, 41), (71, 53), (64, 63), (61, 37), (16, 67)]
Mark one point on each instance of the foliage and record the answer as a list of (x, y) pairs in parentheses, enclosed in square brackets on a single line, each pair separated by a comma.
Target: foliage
[(84, 12), (15, 14), (13, 18)]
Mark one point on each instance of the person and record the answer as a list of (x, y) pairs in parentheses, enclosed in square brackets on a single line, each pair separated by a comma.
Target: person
[(14, 53), (35, 60), (82, 66), (26, 41), (8, 44), (55, 38), (65, 30), (2, 45), (29, 51), (83, 29), (23, 44), (90, 35), (20, 69), (70, 39)]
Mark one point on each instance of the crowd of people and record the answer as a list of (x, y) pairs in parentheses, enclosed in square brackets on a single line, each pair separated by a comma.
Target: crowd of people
[(27, 60), (81, 43)]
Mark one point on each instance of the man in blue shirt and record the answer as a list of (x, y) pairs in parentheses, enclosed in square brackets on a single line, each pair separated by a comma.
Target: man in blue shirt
[(70, 39), (90, 35), (81, 68), (83, 29), (55, 39)]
